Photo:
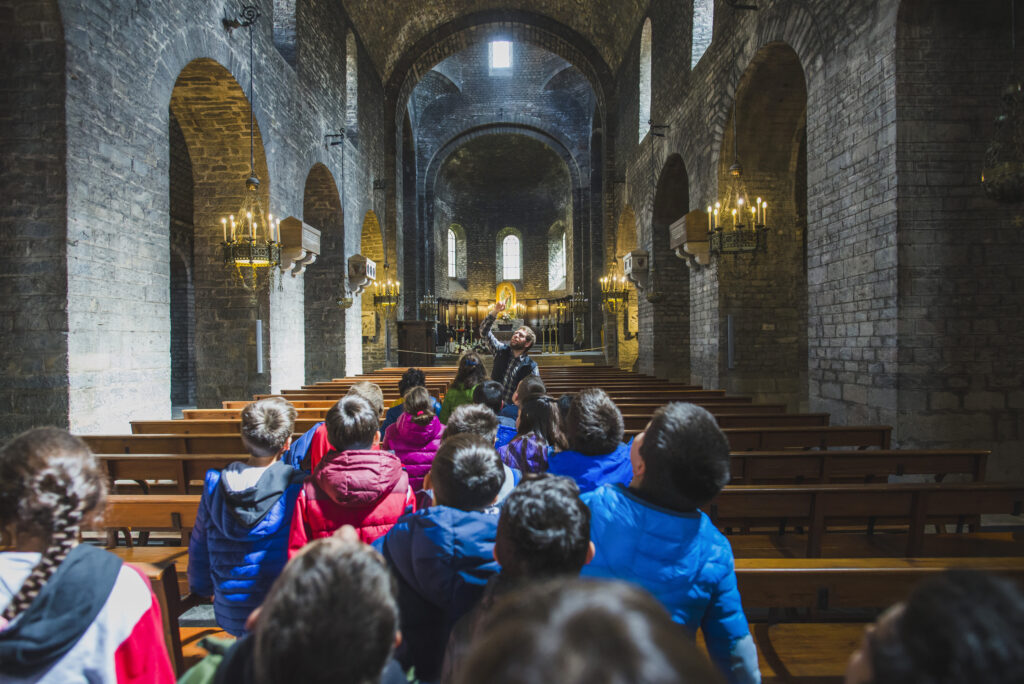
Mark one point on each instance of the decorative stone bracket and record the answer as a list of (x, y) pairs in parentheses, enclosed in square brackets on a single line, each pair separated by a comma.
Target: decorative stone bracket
[(361, 272), (300, 245), (635, 268), (689, 238)]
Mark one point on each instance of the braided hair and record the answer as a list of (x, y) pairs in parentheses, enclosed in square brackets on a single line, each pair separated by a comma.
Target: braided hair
[(49, 484)]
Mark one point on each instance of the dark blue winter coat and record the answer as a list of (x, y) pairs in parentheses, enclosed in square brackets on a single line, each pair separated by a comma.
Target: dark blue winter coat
[(684, 561), (240, 542), (442, 557), (590, 472)]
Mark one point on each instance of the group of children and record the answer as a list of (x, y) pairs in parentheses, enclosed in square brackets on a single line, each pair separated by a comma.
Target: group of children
[(439, 549)]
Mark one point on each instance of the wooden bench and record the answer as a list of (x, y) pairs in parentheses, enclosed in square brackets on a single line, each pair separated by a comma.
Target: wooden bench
[(825, 437), (175, 512), (867, 465), (175, 472), (205, 427), (169, 444)]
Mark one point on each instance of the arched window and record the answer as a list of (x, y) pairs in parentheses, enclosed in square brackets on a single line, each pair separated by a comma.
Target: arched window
[(284, 29), (351, 83), (556, 257), (645, 79), (452, 263), (703, 22), (510, 258)]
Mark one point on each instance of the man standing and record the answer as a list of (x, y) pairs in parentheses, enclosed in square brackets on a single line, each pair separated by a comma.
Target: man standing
[(511, 361)]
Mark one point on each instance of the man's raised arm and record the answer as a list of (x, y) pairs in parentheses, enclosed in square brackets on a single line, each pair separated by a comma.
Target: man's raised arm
[(485, 328)]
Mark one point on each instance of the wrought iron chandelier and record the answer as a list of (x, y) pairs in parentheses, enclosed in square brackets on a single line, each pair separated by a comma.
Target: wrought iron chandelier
[(614, 292), (428, 307), (735, 224), (386, 295), (252, 236)]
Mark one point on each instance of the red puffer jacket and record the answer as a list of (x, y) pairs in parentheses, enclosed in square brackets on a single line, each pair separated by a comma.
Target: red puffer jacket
[(366, 489)]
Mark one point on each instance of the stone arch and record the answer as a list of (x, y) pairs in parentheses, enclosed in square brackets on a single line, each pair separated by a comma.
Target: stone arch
[(622, 327), (34, 218), (324, 278), (766, 294), (502, 248), (182, 284), (645, 91), (213, 113), (371, 245), (285, 31), (667, 301), (703, 29)]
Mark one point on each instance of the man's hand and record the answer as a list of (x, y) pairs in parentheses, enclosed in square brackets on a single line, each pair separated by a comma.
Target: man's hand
[(497, 308)]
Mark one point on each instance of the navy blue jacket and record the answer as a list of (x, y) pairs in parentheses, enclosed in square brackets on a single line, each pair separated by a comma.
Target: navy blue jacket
[(239, 543), (442, 557), (590, 472)]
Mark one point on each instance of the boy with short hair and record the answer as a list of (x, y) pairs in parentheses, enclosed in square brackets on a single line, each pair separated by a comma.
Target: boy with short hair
[(308, 449), (353, 485), (654, 534), (443, 555), (477, 419), (239, 542), (596, 455), (489, 394)]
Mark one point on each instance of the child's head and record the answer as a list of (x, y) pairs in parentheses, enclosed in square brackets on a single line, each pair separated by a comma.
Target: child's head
[(474, 419), (267, 425), (50, 483), (333, 596), (413, 377), (351, 423), (594, 426), (489, 394), (578, 632), (529, 387), (544, 529), (371, 392), (418, 404), (540, 416), (466, 473), (471, 371), (681, 461), (960, 626)]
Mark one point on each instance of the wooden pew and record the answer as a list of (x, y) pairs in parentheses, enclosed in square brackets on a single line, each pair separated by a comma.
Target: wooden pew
[(175, 512), (168, 444), (163, 577), (825, 437), (204, 427), (177, 471), (753, 467)]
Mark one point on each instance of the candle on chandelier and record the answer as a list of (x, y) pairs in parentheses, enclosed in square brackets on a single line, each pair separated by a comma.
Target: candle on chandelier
[(232, 219), (224, 225), (764, 214), (252, 227), (270, 227), (734, 219), (710, 226)]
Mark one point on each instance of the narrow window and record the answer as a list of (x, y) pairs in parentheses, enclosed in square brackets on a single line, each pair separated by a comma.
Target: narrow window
[(451, 254), (645, 79), (703, 22), (501, 54), (510, 258)]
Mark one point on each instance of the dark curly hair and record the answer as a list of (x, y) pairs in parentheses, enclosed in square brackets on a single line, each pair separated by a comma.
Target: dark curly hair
[(594, 426), (49, 484), (466, 473), (266, 426), (544, 528), (413, 377), (351, 423)]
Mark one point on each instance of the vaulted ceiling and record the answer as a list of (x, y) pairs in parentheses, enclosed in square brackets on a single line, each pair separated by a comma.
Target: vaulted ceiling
[(389, 28)]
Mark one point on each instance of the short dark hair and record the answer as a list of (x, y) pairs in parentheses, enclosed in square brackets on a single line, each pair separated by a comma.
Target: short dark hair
[(489, 394), (959, 626), (475, 419), (686, 457), (413, 377), (351, 423), (544, 528), (594, 426), (371, 392), (266, 426), (579, 632), (529, 387), (419, 405), (333, 594), (466, 473)]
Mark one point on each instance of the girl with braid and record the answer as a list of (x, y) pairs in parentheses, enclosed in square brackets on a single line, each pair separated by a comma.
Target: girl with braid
[(70, 612)]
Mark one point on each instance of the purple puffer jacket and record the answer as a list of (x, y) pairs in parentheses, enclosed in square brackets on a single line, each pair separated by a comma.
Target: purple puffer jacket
[(415, 445), (528, 453)]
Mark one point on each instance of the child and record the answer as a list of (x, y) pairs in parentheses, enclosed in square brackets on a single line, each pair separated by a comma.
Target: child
[(959, 626), (71, 612), (574, 632), (443, 555), (489, 394), (539, 434), (308, 449), (240, 539), (355, 485), (336, 595), (596, 453), (654, 534), (415, 436), (412, 377), (543, 532), (529, 387), (477, 419), (471, 373)]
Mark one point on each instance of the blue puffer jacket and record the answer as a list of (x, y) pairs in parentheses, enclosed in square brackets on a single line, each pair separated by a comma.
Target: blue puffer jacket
[(590, 472), (442, 557), (239, 543), (684, 561)]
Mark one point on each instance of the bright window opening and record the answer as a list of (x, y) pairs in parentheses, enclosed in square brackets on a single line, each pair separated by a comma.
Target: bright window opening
[(501, 54), (451, 254), (510, 258)]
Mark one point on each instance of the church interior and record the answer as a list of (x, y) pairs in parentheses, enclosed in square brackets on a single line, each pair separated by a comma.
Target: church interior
[(815, 204)]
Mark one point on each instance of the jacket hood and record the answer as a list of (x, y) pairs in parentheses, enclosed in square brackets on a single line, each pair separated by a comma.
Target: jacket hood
[(357, 477), (242, 515), (592, 471), (406, 435)]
